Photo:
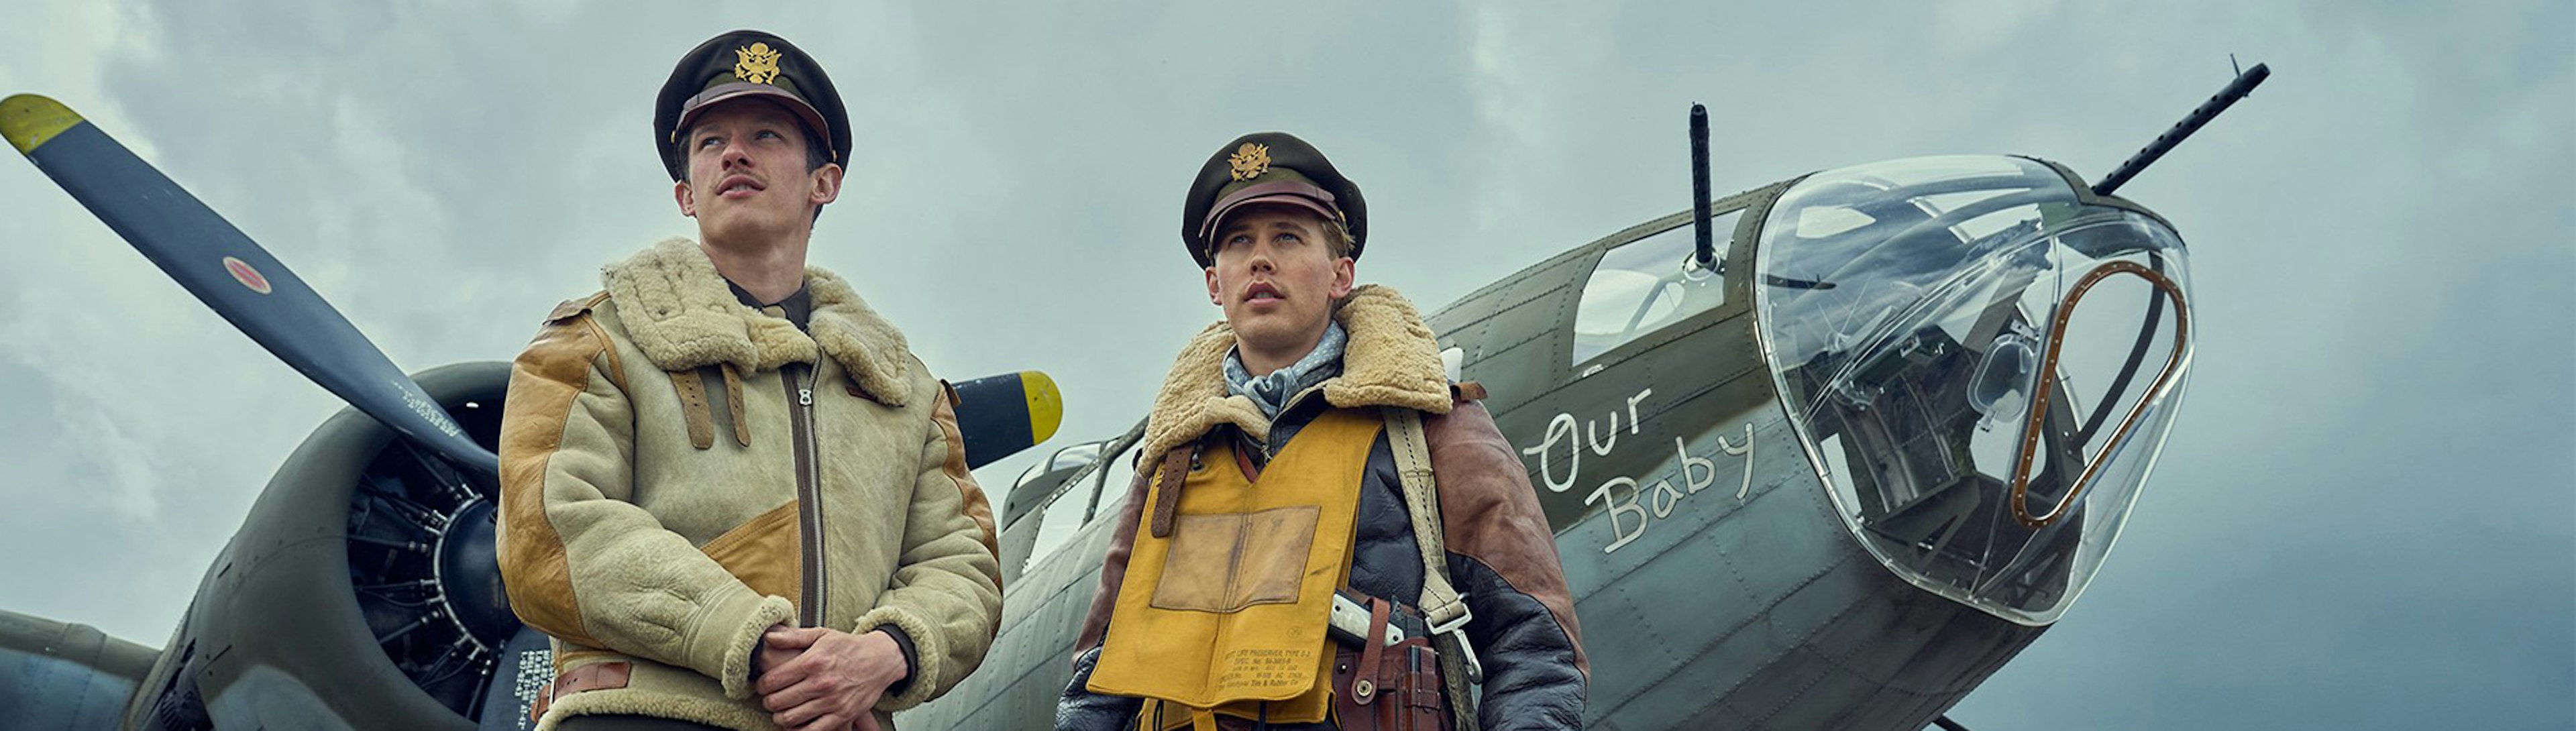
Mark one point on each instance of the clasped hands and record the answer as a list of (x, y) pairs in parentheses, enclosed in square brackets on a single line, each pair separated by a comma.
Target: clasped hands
[(822, 679)]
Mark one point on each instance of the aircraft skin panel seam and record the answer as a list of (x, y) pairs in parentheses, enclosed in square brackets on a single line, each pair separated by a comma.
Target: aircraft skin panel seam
[(1500, 294), (1661, 337), (1549, 334), (1698, 391), (1536, 281), (1959, 684), (1560, 339), (1833, 664), (1950, 614), (1026, 672), (1623, 354), (1769, 487), (1536, 295), (1010, 620), (1750, 621), (1610, 582), (1758, 618), (1038, 606), (1500, 301), (1478, 299), (1042, 565), (1657, 683), (985, 701)]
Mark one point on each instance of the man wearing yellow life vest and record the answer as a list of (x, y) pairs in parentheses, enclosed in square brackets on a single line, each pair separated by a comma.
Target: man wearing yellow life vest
[(1324, 532)]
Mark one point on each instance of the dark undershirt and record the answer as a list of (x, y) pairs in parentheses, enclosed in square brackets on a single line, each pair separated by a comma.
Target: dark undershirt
[(798, 307)]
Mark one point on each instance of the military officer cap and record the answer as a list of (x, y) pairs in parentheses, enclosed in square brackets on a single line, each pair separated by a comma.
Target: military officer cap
[(744, 64), (1268, 167)]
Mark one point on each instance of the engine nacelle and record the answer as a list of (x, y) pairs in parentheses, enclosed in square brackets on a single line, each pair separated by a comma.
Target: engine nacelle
[(361, 590)]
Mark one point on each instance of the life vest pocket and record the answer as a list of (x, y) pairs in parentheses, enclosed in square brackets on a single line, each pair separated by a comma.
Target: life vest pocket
[(1229, 561)]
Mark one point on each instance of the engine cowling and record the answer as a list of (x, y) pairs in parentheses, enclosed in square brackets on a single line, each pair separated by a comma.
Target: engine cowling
[(360, 592)]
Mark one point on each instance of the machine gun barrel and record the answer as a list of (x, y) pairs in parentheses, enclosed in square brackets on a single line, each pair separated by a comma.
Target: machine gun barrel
[(2243, 85), (1707, 252)]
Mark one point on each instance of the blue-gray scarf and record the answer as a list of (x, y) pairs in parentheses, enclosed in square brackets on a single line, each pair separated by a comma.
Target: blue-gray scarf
[(1271, 392)]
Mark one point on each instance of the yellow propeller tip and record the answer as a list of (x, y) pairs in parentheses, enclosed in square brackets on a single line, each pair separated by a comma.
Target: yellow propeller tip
[(28, 120), (1046, 405)]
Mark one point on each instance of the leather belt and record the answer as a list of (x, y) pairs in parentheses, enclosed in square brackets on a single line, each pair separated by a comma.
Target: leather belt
[(600, 676)]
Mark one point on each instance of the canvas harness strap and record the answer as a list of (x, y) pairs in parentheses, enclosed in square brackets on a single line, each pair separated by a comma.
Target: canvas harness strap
[(1442, 608)]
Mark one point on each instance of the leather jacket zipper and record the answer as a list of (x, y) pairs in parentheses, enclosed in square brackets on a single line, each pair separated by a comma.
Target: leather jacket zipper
[(809, 493)]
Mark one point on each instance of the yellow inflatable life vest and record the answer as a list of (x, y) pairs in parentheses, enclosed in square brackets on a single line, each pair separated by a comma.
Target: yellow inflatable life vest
[(1227, 614)]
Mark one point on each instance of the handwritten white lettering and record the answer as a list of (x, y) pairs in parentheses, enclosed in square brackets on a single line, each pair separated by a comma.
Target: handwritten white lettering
[(1610, 498), (1633, 420), (1601, 447), (1690, 464), (1665, 497), (1747, 452), (1560, 428), (1632, 506)]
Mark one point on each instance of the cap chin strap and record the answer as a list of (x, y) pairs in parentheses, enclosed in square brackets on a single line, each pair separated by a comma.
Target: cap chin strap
[(1441, 605)]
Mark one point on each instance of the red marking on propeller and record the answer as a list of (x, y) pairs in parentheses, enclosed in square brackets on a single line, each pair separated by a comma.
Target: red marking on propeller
[(248, 277)]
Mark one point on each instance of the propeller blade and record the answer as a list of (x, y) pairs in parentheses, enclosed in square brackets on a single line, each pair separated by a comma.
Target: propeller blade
[(1001, 415), (229, 272)]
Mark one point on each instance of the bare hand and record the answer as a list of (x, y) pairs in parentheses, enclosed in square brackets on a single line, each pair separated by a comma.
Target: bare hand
[(833, 680), (768, 656)]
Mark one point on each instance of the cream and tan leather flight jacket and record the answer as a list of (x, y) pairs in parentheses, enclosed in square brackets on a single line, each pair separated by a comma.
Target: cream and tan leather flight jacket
[(680, 471)]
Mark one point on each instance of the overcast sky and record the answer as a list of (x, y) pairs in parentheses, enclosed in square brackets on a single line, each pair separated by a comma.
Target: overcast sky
[(2362, 520)]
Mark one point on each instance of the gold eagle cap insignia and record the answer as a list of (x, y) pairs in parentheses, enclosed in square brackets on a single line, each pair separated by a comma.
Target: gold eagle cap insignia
[(756, 64), (1250, 160)]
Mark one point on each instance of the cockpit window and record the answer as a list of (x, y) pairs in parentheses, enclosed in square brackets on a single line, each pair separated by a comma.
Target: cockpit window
[(1065, 509), (1983, 365), (1073, 457), (1646, 284)]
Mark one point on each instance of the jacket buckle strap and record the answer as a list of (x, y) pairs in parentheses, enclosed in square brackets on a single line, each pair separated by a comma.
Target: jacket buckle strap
[(733, 405), (602, 676), (693, 404), (1456, 629)]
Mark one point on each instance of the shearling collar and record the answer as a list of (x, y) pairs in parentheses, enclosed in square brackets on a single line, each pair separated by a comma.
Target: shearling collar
[(1392, 359), (680, 312)]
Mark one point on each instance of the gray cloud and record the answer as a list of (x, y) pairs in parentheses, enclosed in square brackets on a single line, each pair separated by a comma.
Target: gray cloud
[(2363, 519)]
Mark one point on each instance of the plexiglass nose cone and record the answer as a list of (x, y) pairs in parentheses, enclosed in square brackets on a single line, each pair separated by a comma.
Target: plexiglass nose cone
[(1982, 360)]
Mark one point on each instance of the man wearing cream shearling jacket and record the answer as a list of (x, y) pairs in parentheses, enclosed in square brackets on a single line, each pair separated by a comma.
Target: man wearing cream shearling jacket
[(729, 491)]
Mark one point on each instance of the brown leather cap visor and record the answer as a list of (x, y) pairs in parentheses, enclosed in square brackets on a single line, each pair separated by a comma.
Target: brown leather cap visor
[(740, 89), (1292, 192)]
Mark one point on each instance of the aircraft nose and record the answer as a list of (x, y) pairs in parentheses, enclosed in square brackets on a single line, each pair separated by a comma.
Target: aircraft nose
[(1983, 358)]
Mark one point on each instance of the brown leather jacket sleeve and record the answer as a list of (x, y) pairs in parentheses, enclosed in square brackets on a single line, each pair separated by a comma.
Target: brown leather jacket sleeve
[(1502, 556)]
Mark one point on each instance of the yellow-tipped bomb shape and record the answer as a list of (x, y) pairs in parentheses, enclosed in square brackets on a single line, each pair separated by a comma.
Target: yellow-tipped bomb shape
[(28, 120), (1046, 405)]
